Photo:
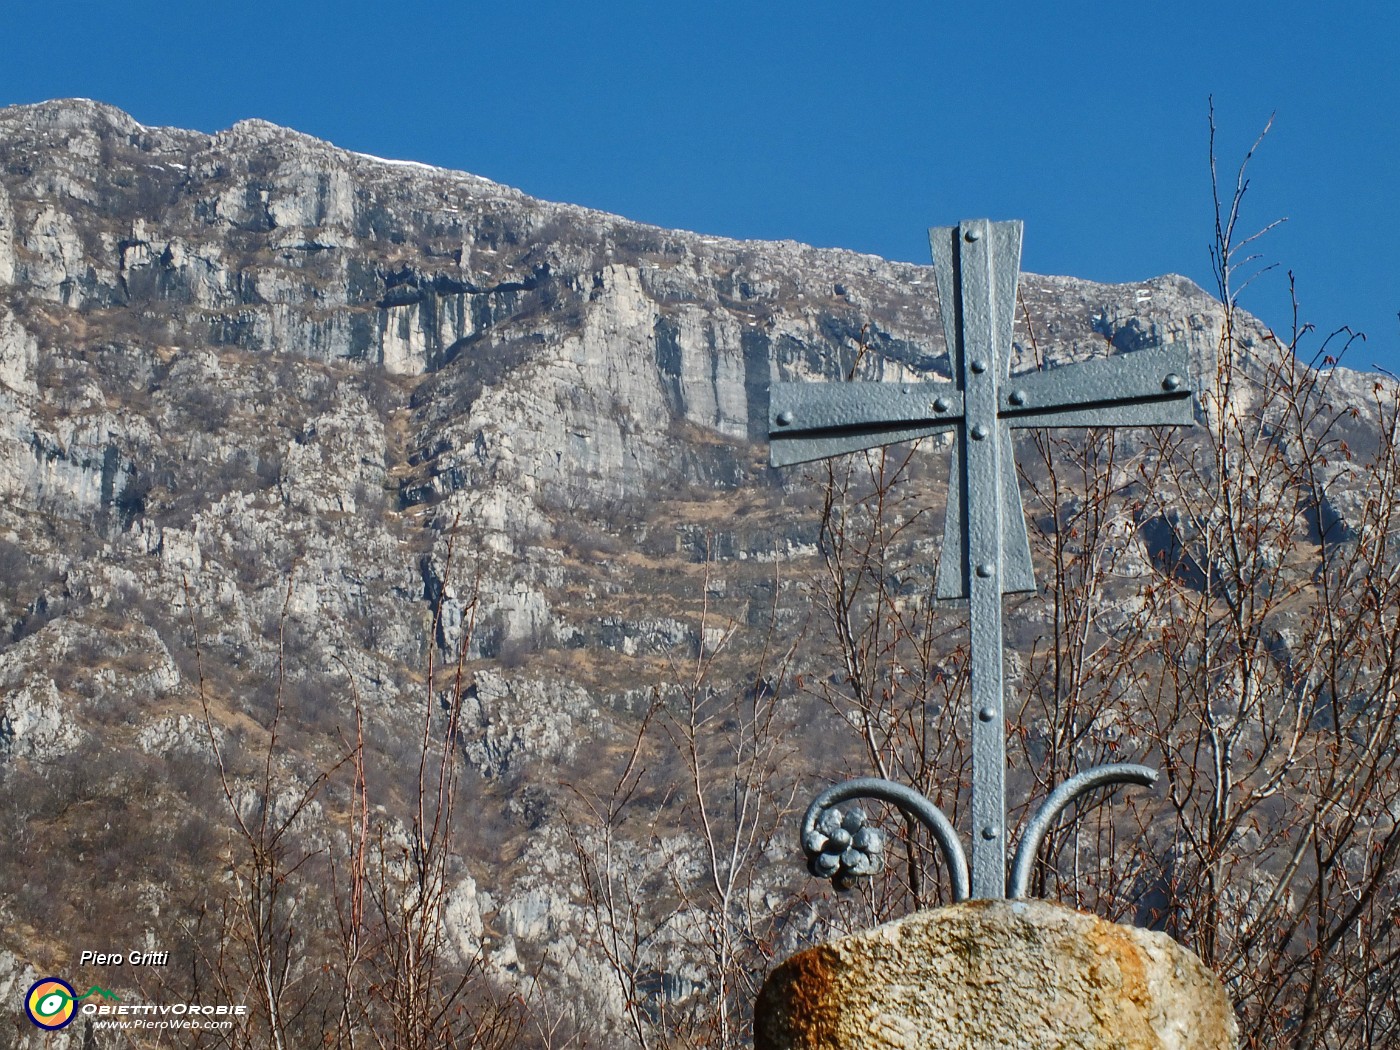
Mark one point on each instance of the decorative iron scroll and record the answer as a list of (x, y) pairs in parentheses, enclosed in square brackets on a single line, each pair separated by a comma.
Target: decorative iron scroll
[(843, 846)]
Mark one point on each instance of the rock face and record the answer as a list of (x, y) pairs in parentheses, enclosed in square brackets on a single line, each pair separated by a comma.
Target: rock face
[(297, 439), (224, 354), (996, 974)]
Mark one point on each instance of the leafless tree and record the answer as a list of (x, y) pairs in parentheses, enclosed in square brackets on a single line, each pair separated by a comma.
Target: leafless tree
[(710, 838), (1216, 605), (335, 928), (902, 686), (1274, 700), (262, 936), (623, 905)]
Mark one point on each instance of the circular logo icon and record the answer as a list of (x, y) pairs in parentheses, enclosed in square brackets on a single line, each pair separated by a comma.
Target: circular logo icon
[(49, 1003)]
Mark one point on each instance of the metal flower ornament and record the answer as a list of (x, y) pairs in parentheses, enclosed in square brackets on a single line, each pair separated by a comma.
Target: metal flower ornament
[(842, 846), (986, 551)]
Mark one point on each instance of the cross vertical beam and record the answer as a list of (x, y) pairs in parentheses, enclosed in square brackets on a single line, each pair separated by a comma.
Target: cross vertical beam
[(983, 297)]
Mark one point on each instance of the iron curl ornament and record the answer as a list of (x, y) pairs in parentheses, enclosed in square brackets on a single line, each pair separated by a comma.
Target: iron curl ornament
[(842, 845)]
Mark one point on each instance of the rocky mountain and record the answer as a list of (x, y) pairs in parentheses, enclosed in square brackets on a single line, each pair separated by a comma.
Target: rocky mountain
[(295, 440)]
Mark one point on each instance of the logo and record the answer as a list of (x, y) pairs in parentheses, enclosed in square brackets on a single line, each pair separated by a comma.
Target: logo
[(51, 1002)]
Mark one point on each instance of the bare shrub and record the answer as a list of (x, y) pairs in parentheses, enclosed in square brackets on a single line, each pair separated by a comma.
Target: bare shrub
[(1252, 656), (675, 862), (1274, 702), (333, 919)]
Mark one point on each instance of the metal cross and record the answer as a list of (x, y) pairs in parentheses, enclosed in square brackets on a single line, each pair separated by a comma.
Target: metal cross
[(986, 552)]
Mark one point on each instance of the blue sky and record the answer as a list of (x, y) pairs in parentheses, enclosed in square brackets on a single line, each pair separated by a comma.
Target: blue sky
[(854, 125)]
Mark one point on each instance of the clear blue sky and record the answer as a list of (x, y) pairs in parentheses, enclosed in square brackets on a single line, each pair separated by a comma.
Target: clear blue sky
[(851, 124)]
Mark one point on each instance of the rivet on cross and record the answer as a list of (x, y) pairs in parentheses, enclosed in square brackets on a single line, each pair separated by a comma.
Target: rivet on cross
[(986, 552)]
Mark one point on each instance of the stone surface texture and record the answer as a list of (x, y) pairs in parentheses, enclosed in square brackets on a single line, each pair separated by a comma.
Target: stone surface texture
[(996, 974)]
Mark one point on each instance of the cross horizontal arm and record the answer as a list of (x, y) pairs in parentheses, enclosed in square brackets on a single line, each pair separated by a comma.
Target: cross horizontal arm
[(1146, 388), (808, 421)]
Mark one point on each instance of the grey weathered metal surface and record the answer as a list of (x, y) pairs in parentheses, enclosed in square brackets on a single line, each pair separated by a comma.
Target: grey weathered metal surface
[(986, 551)]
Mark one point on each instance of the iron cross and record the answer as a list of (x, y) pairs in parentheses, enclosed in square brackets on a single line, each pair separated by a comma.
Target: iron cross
[(986, 552)]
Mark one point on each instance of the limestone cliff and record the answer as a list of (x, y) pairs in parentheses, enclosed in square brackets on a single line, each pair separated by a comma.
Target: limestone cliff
[(291, 420)]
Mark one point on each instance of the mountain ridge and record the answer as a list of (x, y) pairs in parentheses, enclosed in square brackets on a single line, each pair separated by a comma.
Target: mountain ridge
[(293, 436)]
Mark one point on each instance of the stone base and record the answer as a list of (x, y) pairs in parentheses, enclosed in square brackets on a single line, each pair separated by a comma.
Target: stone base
[(1024, 974)]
